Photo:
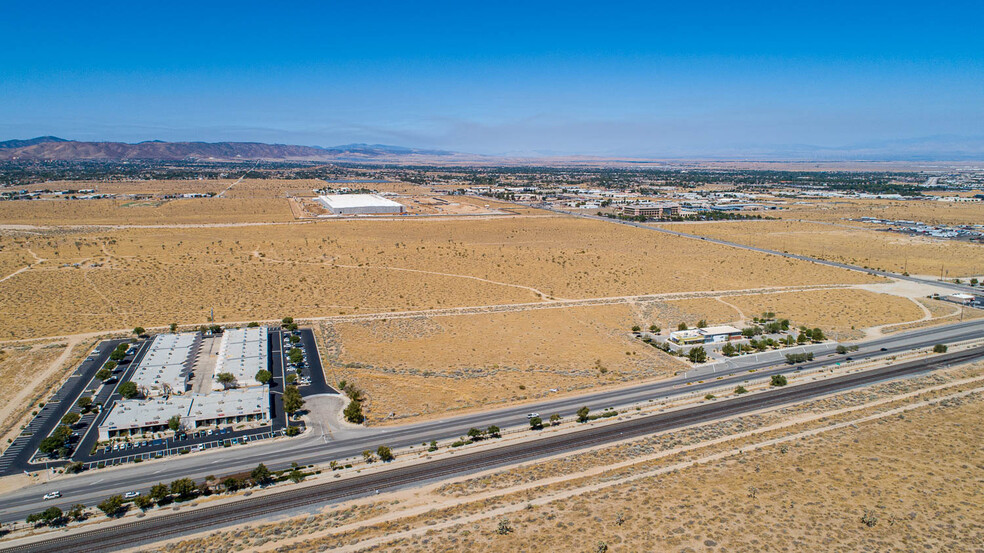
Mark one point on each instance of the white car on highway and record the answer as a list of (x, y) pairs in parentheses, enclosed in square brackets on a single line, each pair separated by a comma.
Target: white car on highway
[(51, 495), (131, 495)]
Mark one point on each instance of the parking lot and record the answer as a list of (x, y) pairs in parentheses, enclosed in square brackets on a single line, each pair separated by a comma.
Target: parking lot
[(22, 455)]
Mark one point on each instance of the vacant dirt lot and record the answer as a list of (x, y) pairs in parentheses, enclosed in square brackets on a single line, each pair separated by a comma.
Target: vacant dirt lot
[(146, 212), (867, 248), (904, 483), (927, 211), (104, 279), (840, 313), (428, 365)]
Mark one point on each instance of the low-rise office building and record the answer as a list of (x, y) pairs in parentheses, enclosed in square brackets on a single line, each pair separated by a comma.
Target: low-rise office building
[(654, 211), (165, 367), (359, 204), (708, 335), (242, 353), (134, 417)]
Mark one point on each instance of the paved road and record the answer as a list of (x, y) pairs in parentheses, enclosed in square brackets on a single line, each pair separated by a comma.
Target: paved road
[(947, 285), (130, 534), (91, 487), (17, 456)]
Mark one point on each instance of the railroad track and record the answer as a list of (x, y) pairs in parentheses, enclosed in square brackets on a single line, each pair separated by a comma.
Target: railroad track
[(167, 526)]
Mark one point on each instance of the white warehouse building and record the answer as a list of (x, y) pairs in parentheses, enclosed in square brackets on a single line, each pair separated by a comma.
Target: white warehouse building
[(360, 204), (242, 353), (133, 417)]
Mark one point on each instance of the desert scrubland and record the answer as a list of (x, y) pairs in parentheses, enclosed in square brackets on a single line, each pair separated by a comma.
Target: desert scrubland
[(849, 243)]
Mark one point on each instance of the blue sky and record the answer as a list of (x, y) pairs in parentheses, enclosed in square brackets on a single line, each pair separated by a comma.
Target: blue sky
[(612, 78)]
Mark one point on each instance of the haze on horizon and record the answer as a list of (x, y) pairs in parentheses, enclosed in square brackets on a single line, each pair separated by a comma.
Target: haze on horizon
[(617, 79)]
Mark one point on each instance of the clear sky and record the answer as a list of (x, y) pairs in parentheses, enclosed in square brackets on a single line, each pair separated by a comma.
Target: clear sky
[(612, 78)]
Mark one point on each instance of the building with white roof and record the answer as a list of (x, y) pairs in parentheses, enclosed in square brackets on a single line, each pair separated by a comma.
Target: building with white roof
[(359, 204), (139, 416), (165, 368), (711, 334), (242, 353)]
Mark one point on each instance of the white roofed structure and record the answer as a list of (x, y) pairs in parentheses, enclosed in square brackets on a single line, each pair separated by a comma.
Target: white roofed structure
[(359, 204), (165, 368), (242, 353)]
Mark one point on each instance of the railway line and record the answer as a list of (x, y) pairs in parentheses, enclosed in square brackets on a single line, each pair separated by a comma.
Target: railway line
[(167, 526)]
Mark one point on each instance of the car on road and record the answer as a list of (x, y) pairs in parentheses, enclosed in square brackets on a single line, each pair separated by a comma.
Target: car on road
[(883, 349), (51, 495), (131, 495), (531, 415)]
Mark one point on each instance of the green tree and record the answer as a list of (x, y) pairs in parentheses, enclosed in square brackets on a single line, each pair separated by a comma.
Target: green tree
[(287, 321), (128, 390), (159, 492), (636, 328), (492, 431), (940, 348), (368, 456), (353, 412), (702, 324), (139, 330), (260, 475), (294, 339), (728, 350), (77, 512), (174, 423), (802, 338), (582, 414), (697, 354), (385, 453), (111, 506), (227, 380), (474, 434), (555, 419), (740, 390), (174, 327), (778, 380), (295, 355), (654, 329), (818, 335), (183, 487), (536, 423), (263, 376), (682, 326), (293, 401), (143, 502), (71, 418), (253, 325), (231, 484), (841, 349), (295, 476), (110, 365), (103, 374)]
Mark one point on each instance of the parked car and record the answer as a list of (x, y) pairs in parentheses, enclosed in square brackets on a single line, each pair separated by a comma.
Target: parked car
[(51, 495)]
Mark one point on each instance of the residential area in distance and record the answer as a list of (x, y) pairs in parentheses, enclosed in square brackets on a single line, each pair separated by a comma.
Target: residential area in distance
[(531, 277)]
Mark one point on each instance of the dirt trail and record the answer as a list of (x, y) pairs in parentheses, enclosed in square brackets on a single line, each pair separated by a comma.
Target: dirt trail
[(19, 400)]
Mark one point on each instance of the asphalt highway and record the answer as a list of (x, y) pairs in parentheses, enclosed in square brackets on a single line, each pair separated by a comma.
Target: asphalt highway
[(170, 525), (92, 486)]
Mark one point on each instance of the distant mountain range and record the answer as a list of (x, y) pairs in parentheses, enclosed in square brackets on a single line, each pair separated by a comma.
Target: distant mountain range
[(53, 148), (42, 148)]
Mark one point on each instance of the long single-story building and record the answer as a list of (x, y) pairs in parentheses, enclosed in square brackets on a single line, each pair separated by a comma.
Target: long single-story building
[(360, 204), (165, 367), (708, 335), (242, 353), (131, 417)]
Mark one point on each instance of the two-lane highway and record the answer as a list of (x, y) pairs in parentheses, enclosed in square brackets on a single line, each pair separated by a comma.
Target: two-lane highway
[(92, 486), (134, 533)]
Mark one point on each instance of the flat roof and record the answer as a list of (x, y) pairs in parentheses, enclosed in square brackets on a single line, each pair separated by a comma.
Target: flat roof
[(723, 329), (341, 201), (142, 413), (165, 366), (242, 353)]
